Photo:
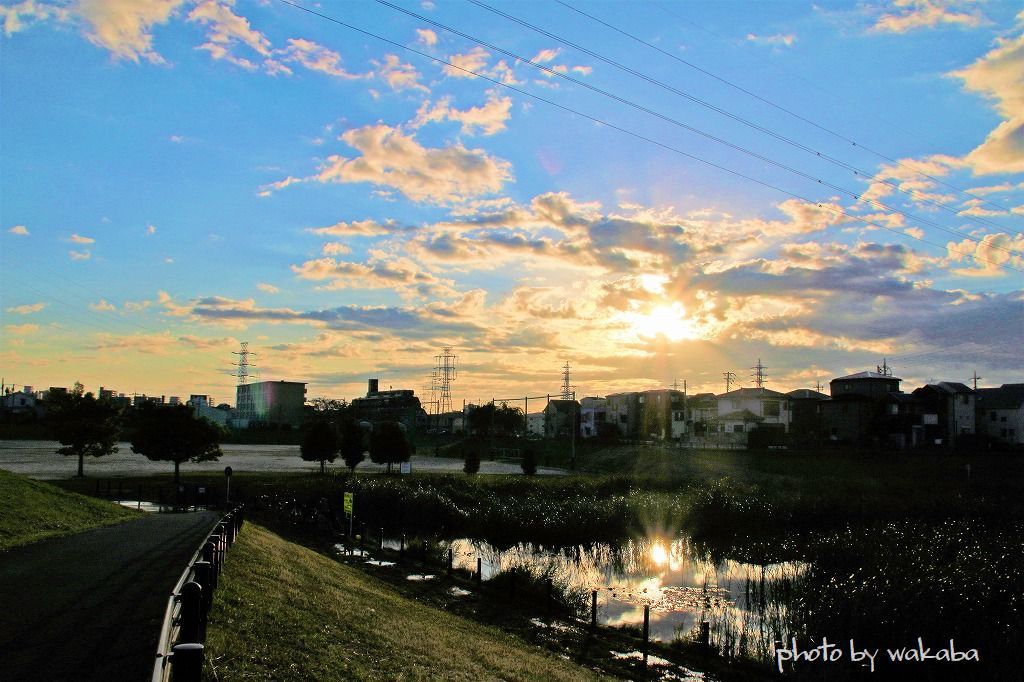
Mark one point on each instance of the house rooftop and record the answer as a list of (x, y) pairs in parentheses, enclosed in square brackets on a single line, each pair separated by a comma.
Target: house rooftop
[(866, 375), (806, 393), (752, 393)]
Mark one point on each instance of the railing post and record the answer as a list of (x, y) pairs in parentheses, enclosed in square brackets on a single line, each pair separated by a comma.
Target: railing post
[(210, 556), (204, 576), (187, 662), (191, 612)]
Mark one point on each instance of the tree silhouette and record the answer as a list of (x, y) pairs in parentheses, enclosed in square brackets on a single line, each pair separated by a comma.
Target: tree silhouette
[(389, 444), (173, 434), (352, 443), (83, 424), (320, 444)]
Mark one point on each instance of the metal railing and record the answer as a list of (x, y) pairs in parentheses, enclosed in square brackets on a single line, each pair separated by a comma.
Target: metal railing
[(179, 651)]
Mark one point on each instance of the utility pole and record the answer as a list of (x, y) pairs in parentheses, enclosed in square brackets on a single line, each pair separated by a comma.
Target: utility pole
[(884, 369), (817, 385), (975, 378), (729, 378)]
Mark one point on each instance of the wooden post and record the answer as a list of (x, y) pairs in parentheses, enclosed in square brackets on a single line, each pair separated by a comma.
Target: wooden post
[(187, 662)]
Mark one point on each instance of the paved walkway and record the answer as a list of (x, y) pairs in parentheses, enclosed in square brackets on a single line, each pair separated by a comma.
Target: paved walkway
[(89, 606)]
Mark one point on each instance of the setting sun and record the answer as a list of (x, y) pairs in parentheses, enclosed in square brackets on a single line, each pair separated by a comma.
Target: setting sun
[(668, 320)]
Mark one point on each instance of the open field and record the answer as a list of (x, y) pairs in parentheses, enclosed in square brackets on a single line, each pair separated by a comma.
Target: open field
[(32, 510)]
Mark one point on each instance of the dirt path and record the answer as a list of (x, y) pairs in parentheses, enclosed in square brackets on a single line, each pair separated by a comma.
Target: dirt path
[(89, 606)]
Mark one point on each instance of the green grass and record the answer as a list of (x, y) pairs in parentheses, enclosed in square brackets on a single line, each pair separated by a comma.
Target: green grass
[(32, 510), (285, 612)]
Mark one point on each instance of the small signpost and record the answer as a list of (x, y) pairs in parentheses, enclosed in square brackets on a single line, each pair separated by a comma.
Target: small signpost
[(349, 505), (227, 496), (406, 468)]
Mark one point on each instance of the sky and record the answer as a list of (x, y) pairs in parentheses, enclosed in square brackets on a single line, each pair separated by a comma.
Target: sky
[(654, 192)]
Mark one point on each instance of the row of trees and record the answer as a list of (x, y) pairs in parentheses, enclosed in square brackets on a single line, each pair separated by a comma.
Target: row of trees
[(86, 426), (326, 439)]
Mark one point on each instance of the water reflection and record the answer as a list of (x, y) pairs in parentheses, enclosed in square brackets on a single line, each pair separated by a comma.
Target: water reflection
[(745, 604)]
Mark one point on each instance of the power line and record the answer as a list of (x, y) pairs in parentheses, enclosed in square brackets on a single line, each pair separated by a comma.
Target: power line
[(668, 119), (636, 135), (755, 126), (779, 107)]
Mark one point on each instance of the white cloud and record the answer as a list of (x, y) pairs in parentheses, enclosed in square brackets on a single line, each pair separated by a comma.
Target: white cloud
[(986, 258), (267, 288), (21, 329), (775, 40), (909, 15), (80, 255), (79, 239), (21, 15), (399, 75), (391, 158), (316, 57), (124, 26), (150, 229), (19, 230), (487, 119), (26, 309), (426, 37), (103, 306), (474, 60), (546, 55), (335, 249), (997, 75), (176, 139)]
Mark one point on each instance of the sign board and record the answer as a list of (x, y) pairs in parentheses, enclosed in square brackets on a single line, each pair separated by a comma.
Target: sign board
[(227, 471), (406, 468), (929, 419), (349, 499)]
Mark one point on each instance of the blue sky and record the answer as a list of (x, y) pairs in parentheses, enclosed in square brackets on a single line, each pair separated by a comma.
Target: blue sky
[(815, 185)]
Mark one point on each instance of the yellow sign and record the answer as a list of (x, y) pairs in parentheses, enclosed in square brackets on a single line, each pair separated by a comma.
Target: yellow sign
[(349, 498)]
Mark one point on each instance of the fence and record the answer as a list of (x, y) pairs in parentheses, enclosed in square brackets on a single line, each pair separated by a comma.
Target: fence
[(179, 651)]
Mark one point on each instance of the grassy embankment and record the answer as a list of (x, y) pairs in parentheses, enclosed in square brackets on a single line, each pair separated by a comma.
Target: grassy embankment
[(285, 612), (31, 511)]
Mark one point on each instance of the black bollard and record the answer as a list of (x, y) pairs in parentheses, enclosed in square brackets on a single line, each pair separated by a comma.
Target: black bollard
[(191, 612), (593, 609), (210, 557), (187, 662), (203, 570)]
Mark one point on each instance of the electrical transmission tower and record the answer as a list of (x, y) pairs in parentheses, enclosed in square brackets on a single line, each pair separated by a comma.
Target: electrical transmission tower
[(244, 364), (729, 377), (759, 374), (568, 390), (441, 379)]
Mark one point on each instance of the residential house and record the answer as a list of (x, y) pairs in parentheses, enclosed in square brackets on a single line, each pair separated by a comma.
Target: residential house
[(805, 420), (746, 409), (623, 410), (702, 414), (854, 412), (592, 414), (947, 414), (561, 418), (1000, 414)]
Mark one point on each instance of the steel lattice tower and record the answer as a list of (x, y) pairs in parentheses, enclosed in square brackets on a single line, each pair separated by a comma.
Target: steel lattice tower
[(443, 376), (759, 374), (243, 363), (567, 392)]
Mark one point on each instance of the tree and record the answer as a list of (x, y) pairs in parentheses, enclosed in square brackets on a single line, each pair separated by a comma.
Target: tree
[(173, 434), (352, 443), (83, 424), (529, 462), (388, 444), (320, 444)]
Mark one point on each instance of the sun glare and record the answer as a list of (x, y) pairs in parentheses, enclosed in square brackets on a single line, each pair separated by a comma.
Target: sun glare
[(669, 321), (659, 555)]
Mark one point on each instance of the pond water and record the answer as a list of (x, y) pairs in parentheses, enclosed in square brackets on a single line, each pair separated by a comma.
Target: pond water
[(742, 602)]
